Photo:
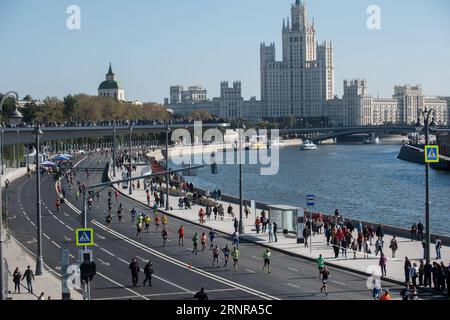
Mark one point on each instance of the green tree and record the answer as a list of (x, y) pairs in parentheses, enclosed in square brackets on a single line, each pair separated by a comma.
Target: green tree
[(70, 103)]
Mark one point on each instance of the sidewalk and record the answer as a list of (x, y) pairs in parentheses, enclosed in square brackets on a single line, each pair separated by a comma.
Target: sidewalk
[(288, 244), (16, 255)]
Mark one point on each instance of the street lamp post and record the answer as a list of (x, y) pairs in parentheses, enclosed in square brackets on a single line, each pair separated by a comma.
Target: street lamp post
[(241, 223), (15, 118), (167, 168), (130, 191), (114, 151), (426, 117), (39, 260)]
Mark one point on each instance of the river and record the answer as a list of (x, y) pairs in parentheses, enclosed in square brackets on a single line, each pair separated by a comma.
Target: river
[(365, 182)]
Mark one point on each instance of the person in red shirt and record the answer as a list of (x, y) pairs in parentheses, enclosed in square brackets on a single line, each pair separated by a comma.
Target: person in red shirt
[(181, 236)]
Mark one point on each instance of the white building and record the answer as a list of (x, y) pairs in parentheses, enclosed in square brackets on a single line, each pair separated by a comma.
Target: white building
[(300, 84), (358, 108), (111, 87), (230, 104)]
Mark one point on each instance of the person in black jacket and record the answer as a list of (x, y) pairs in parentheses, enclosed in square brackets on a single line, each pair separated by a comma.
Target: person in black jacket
[(275, 230), (134, 268), (201, 295), (148, 271), (379, 232), (29, 275)]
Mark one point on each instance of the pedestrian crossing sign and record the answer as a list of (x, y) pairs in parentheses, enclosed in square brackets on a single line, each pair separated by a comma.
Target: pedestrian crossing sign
[(431, 154), (84, 237)]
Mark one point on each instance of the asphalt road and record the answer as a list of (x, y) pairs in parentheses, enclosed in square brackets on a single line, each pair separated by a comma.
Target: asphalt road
[(291, 277)]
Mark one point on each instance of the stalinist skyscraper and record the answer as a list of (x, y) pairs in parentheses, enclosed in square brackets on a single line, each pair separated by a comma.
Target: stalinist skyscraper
[(300, 84)]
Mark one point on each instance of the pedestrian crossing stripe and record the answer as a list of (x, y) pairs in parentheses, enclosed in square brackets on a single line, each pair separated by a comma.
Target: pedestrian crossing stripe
[(431, 153), (84, 237)]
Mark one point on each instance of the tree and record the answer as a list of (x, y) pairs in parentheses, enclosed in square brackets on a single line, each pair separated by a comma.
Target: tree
[(70, 103), (200, 114)]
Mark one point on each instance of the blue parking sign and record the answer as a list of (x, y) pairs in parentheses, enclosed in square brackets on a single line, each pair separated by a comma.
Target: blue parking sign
[(310, 200)]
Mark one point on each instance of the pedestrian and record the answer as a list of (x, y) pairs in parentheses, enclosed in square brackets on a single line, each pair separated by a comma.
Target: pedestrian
[(344, 247), (257, 224), (148, 271), (406, 292), (306, 234), (320, 264), (336, 248), (438, 246), (157, 222), (379, 246), (328, 232), (380, 232), (275, 230), (382, 264), (414, 273), (181, 236), (413, 231), (235, 224), (420, 230), (246, 211), (29, 276), (407, 269), (376, 290), (386, 295), (427, 274), (215, 210), (195, 243), (201, 295), (17, 275), (139, 228), (134, 268), (147, 221), (366, 248), (354, 248), (267, 255), (226, 254), (421, 272), (393, 246), (235, 253), (325, 278), (270, 229)]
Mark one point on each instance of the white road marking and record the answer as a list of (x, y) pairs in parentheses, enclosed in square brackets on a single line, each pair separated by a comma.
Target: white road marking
[(66, 214), (293, 285), (165, 294), (100, 236), (34, 240), (56, 244), (123, 260), (174, 284), (104, 262), (104, 250), (251, 271), (45, 235), (257, 258), (342, 284), (293, 269)]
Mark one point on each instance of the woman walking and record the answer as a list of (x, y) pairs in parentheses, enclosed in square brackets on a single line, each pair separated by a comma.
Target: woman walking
[(382, 264), (394, 246), (16, 279)]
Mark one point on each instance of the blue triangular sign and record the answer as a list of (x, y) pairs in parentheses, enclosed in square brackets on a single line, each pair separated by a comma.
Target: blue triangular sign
[(84, 237)]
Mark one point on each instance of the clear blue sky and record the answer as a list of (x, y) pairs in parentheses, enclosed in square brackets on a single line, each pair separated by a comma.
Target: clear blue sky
[(153, 44)]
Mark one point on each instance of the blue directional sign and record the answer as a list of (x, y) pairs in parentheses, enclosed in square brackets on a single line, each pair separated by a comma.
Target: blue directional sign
[(431, 153), (84, 237), (310, 199)]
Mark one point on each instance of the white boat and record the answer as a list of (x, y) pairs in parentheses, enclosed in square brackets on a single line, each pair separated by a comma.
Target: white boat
[(275, 144), (308, 145), (371, 140)]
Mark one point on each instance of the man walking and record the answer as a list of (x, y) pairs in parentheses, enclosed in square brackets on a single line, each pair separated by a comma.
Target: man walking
[(29, 275), (275, 230), (134, 268), (148, 271)]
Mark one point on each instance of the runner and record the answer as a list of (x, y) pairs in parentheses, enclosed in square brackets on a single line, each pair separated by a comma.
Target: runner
[(147, 221), (116, 194), (226, 254), (108, 221), (164, 220), (139, 229), (58, 204), (119, 214), (195, 243), (320, 264), (157, 223), (325, 277), (212, 238), (181, 236), (266, 257), (133, 215), (235, 254), (164, 235), (203, 241), (216, 253)]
